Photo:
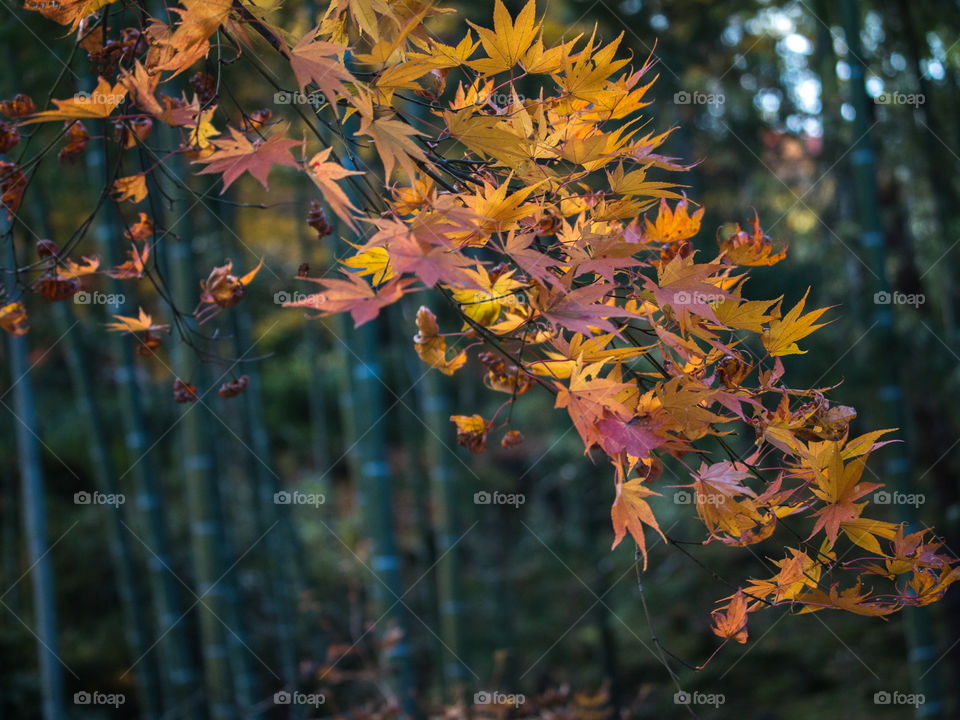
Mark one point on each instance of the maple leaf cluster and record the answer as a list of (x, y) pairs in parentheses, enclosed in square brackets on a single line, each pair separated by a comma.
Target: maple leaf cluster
[(517, 181)]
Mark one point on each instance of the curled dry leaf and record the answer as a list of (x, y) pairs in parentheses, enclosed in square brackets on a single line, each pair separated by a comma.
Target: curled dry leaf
[(431, 347), (471, 432), (13, 319), (225, 289), (184, 392), (234, 387), (511, 439)]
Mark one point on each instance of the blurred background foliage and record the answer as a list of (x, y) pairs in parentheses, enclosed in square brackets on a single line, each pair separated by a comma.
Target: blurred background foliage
[(760, 95)]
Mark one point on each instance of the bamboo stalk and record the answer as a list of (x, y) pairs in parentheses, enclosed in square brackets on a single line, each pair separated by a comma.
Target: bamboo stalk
[(920, 642), (33, 508)]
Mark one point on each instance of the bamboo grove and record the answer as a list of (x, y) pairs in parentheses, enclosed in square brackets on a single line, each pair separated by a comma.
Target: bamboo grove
[(522, 188)]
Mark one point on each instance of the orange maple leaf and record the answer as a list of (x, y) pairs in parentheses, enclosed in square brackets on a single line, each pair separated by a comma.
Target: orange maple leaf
[(630, 511), (731, 622)]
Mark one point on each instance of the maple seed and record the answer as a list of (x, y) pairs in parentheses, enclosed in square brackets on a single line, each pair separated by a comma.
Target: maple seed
[(47, 249), (317, 219)]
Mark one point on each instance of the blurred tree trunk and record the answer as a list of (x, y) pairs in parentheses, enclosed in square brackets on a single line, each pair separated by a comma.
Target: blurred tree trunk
[(33, 508), (920, 642)]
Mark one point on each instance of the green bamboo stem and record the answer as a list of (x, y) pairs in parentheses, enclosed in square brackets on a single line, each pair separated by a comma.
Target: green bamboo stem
[(178, 677), (922, 648), (447, 528), (136, 624), (33, 508), (206, 532)]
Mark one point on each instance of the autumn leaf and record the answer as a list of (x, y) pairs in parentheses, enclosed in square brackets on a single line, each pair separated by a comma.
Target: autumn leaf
[(71, 269), (132, 188), (851, 599), (237, 155), (751, 249), (352, 295), (731, 622), (135, 266), (394, 143), (781, 338), (66, 12), (97, 104), (142, 323), (178, 46), (325, 175), (509, 41), (838, 486), (373, 262), (630, 511), (671, 225), (317, 61)]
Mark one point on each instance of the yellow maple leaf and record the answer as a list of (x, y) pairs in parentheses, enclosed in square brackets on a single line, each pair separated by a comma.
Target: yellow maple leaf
[(509, 40), (374, 262), (782, 335)]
